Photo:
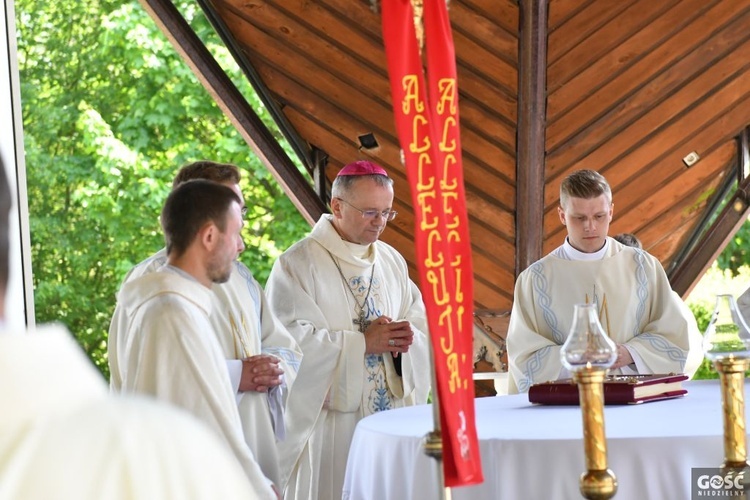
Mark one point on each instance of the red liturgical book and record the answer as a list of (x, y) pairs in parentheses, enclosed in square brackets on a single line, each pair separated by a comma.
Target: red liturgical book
[(618, 389)]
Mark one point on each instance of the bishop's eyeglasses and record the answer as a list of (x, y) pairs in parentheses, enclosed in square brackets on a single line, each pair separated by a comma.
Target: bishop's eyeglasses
[(388, 215)]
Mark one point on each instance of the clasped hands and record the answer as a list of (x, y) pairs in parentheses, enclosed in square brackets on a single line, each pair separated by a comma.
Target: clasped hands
[(260, 373), (623, 358), (386, 335)]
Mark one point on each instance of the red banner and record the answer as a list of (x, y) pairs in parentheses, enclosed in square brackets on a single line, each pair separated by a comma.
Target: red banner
[(428, 130)]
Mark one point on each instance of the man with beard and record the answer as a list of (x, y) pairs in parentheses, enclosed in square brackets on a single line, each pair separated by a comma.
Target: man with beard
[(161, 339), (262, 357)]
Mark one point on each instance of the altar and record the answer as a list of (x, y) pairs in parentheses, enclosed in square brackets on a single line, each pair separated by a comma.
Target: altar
[(536, 452)]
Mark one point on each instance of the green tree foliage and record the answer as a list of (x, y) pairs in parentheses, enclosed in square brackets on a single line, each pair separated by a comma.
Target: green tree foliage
[(737, 252), (702, 301), (110, 113), (703, 315)]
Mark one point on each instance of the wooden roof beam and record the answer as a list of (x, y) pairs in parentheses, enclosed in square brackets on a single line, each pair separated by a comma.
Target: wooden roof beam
[(691, 268), (236, 107)]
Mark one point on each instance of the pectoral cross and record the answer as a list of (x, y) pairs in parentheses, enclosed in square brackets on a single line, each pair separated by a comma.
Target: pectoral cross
[(361, 322)]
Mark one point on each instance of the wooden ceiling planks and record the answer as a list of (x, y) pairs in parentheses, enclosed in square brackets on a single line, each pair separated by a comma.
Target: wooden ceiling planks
[(632, 87), (562, 10), (613, 28), (486, 33), (675, 84), (323, 62), (567, 98), (563, 39), (501, 75), (701, 179), (686, 54), (347, 91), (503, 13), (676, 222)]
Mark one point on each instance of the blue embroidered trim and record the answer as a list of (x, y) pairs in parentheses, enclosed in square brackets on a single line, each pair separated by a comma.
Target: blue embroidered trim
[(660, 344), (641, 290), (286, 355), (540, 284), (559, 252), (533, 365), (156, 260)]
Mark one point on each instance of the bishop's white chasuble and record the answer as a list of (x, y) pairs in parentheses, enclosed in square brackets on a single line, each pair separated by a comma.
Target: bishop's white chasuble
[(321, 289)]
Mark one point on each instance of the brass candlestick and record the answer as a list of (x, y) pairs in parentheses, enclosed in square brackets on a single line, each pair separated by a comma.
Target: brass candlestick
[(732, 376), (598, 482), (433, 441), (727, 343), (588, 353)]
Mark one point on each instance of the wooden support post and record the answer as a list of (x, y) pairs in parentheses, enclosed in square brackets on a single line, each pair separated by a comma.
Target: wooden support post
[(532, 105)]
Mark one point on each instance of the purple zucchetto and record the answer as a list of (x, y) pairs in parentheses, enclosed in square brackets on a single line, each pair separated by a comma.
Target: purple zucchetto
[(362, 167)]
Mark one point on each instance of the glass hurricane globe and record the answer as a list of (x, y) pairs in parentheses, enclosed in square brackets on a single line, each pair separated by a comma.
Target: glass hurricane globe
[(588, 345), (727, 335)]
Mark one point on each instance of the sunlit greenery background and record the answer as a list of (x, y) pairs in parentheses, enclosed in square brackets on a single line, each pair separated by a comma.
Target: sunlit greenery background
[(110, 112), (702, 300)]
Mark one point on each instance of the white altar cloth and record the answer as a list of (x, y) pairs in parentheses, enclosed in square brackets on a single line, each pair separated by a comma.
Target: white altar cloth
[(536, 452)]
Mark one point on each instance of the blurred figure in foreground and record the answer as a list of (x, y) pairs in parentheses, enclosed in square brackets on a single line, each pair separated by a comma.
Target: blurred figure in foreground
[(62, 435)]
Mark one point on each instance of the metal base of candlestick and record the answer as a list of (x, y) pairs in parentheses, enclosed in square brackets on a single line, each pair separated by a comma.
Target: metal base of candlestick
[(433, 445), (598, 484)]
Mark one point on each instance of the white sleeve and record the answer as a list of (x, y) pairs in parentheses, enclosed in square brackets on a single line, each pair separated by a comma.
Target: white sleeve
[(234, 368)]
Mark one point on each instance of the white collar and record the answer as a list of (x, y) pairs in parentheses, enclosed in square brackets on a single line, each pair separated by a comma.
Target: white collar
[(574, 254), (357, 250), (357, 255)]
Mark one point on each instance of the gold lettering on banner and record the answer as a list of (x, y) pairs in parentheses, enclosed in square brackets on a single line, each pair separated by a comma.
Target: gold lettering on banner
[(449, 319), (454, 379), (466, 382), (434, 258), (411, 98), (418, 121), (447, 89), (450, 160), (449, 303), (459, 292), (445, 319), (460, 313), (441, 297), (423, 200), (448, 198), (424, 158), (445, 144), (455, 236)]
